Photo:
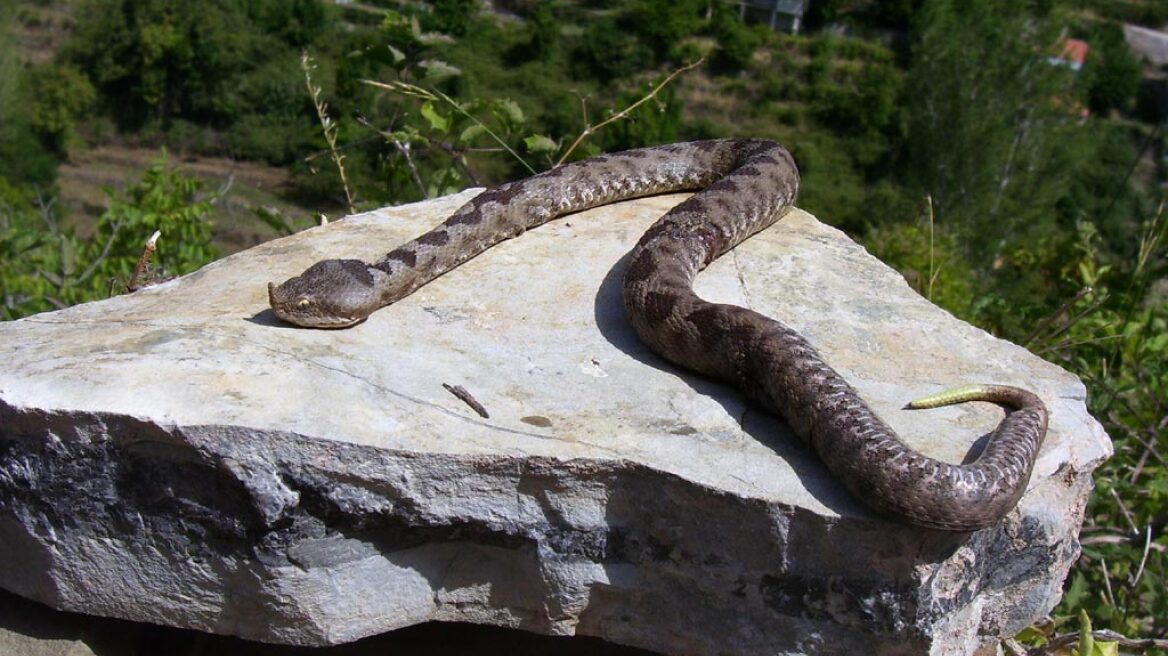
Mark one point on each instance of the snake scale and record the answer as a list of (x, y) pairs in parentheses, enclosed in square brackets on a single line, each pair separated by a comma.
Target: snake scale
[(742, 186)]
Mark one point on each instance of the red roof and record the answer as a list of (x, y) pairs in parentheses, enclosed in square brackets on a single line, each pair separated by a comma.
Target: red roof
[(1075, 50)]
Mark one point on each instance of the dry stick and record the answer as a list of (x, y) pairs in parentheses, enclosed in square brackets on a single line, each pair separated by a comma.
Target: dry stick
[(933, 273), (327, 125), (356, 143), (1063, 310), (404, 149), (460, 392), (143, 262), (1014, 647), (1125, 540), (1149, 446), (46, 210), (407, 89), (1107, 583), (1131, 522), (1155, 432), (1101, 382), (589, 130), (105, 250), (459, 157), (1144, 560)]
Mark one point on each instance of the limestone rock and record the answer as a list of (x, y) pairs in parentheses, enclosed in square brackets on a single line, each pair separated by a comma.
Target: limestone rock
[(178, 456)]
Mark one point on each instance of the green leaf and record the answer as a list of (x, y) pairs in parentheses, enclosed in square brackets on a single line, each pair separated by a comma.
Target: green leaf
[(1032, 636), (436, 119), (398, 55), (509, 112), (1158, 485), (538, 143), (435, 71), (1158, 344), (1077, 591), (1103, 648), (1086, 640), (472, 132)]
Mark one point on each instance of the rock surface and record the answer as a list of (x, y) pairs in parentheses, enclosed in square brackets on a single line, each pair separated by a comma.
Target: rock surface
[(178, 456)]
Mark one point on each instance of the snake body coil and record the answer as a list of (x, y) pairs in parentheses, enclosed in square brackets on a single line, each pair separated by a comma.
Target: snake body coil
[(743, 184)]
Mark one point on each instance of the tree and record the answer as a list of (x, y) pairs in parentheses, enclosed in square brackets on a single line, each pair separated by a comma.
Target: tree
[(24, 160), (57, 95), (608, 52), (736, 42), (161, 60), (899, 13), (663, 24), (1112, 73), (543, 32), (992, 124), (821, 13), (451, 16)]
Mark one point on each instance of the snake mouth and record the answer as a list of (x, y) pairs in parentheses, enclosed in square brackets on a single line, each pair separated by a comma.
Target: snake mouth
[(334, 322)]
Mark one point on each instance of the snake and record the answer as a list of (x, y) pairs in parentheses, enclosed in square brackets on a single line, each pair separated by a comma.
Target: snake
[(741, 186)]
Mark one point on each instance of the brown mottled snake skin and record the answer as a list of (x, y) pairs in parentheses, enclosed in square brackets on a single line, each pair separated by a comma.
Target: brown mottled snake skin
[(743, 184)]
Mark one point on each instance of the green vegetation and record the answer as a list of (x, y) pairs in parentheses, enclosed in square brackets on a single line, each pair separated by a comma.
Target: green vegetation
[(52, 268), (938, 132)]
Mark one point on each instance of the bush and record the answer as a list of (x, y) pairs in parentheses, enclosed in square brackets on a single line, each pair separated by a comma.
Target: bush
[(23, 159), (866, 103), (542, 40), (48, 267), (1112, 73), (451, 17), (736, 42), (930, 258), (664, 24), (608, 52), (274, 140), (57, 95)]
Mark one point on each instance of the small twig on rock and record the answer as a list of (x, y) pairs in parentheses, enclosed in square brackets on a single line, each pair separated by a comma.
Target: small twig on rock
[(136, 280), (460, 392)]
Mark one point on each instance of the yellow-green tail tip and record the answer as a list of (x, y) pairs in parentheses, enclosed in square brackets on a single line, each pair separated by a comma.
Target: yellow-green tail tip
[(952, 396)]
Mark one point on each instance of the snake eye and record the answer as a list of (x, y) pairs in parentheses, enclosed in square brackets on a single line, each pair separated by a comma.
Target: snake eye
[(303, 302)]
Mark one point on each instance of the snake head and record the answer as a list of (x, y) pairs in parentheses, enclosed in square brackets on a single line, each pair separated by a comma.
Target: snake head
[(329, 294)]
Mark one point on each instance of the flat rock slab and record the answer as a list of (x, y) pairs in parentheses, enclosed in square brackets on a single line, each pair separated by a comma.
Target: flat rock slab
[(178, 456)]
